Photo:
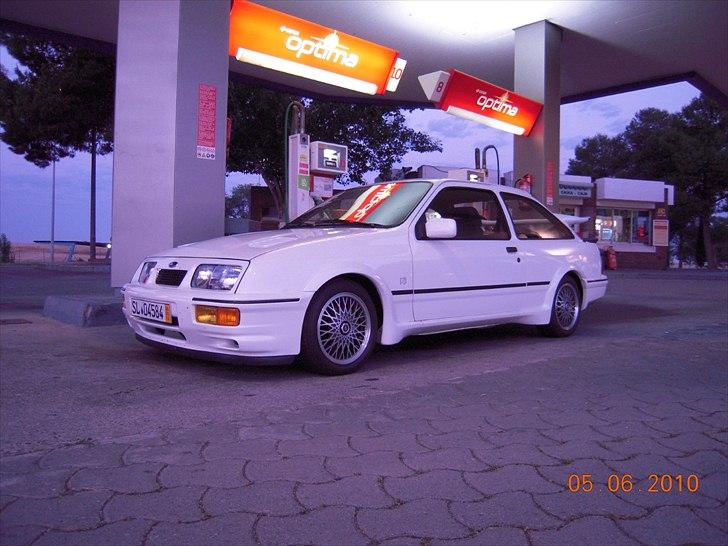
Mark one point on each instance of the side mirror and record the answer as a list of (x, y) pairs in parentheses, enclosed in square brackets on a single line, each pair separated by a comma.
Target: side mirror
[(441, 228)]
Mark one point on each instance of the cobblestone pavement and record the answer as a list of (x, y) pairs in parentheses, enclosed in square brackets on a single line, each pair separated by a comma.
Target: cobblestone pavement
[(478, 458)]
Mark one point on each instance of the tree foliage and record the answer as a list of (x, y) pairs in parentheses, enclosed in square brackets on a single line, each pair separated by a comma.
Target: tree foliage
[(599, 156), (237, 204), (688, 149), (377, 136), (5, 249), (59, 101)]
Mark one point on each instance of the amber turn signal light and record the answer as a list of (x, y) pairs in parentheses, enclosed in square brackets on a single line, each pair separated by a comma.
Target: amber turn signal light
[(221, 316)]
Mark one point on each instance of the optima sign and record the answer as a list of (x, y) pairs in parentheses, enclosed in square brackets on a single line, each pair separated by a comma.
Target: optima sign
[(276, 40), (468, 97)]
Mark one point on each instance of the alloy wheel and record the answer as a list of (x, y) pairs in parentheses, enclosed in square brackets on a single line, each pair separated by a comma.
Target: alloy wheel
[(344, 327), (567, 306)]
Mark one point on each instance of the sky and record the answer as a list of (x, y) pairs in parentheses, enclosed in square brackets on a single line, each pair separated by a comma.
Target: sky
[(25, 190)]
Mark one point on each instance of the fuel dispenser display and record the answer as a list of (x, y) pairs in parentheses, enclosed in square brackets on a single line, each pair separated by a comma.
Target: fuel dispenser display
[(328, 161), (328, 158)]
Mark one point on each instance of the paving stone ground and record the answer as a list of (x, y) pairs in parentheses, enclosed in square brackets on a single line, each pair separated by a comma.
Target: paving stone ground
[(477, 458)]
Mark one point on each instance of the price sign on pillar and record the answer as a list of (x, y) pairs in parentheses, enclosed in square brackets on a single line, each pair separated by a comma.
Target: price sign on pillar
[(206, 107), (550, 174)]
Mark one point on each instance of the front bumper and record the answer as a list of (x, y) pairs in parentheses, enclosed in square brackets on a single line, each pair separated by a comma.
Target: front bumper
[(270, 329), (218, 357)]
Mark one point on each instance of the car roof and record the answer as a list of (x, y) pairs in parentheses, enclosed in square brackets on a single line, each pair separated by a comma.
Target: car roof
[(463, 183)]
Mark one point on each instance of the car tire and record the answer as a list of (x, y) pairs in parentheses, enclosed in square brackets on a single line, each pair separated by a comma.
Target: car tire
[(565, 310), (339, 329)]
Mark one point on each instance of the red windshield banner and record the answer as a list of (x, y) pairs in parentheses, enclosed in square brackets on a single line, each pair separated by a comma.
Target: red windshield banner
[(369, 201)]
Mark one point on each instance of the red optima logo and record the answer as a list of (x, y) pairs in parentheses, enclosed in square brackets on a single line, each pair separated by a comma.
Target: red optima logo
[(499, 104)]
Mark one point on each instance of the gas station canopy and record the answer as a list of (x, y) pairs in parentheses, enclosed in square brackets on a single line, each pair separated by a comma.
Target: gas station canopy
[(608, 46)]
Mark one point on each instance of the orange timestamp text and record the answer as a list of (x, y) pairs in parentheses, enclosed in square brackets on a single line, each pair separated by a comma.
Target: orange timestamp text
[(625, 483)]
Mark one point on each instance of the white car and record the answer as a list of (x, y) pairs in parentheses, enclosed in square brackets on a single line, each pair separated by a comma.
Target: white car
[(373, 264)]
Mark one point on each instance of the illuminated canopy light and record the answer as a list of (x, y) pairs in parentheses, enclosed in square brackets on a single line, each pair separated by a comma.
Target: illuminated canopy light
[(282, 42), (474, 23), (494, 123), (477, 100)]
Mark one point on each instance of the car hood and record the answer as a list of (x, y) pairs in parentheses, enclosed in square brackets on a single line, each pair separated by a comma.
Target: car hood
[(247, 246)]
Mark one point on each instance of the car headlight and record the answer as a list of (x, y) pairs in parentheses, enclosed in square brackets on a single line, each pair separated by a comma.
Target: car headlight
[(216, 277), (147, 268)]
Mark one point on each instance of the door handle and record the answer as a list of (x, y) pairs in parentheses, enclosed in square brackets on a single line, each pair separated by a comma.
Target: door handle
[(511, 249)]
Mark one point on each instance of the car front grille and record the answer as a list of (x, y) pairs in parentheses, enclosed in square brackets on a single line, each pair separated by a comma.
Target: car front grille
[(170, 277)]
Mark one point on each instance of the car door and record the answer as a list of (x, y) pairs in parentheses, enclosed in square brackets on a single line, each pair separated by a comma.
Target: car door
[(546, 243), (476, 274)]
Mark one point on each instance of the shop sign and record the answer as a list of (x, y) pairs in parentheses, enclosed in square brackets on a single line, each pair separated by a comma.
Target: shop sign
[(580, 192), (265, 37), (660, 232), (466, 96)]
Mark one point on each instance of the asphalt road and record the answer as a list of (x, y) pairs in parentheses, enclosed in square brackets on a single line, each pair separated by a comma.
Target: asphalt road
[(651, 354)]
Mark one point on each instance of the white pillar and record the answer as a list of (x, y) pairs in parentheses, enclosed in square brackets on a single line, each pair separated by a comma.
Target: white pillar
[(163, 194), (537, 75)]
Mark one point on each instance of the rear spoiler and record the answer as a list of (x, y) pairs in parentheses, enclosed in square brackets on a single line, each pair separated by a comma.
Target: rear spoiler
[(573, 220)]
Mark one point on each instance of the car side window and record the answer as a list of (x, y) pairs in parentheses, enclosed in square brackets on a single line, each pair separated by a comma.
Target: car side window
[(532, 220), (477, 214)]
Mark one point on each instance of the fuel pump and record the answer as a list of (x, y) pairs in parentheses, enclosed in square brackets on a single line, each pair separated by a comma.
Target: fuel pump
[(497, 161), (477, 174), (312, 167), (298, 177)]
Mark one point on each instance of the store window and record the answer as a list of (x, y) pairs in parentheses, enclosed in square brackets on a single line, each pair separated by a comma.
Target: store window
[(623, 226), (641, 226)]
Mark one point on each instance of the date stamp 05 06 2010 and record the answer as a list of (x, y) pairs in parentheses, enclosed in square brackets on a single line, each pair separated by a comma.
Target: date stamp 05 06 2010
[(625, 483)]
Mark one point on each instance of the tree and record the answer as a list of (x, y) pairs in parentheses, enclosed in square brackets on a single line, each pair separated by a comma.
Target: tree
[(702, 158), (237, 204), (599, 156), (688, 149), (377, 136), (5, 249), (61, 101)]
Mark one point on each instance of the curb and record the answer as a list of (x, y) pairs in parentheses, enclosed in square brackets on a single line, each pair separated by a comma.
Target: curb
[(85, 311)]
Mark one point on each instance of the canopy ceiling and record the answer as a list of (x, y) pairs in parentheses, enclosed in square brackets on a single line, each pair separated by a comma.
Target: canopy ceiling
[(608, 45)]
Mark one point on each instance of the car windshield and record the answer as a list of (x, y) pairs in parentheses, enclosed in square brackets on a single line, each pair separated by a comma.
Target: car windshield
[(380, 205)]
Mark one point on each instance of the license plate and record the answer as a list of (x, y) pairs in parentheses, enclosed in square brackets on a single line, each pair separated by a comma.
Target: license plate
[(152, 310)]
